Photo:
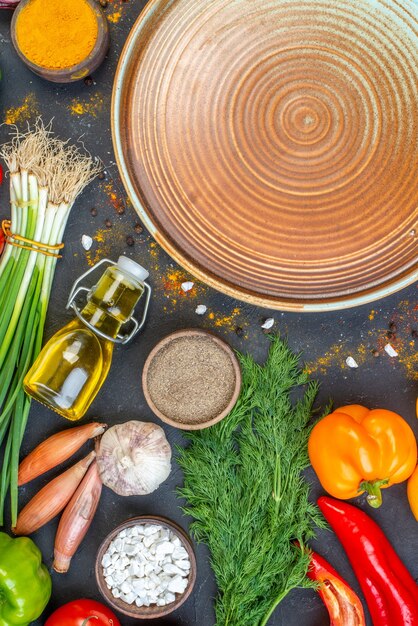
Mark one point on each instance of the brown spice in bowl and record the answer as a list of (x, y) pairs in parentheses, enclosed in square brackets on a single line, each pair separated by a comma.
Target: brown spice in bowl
[(191, 379)]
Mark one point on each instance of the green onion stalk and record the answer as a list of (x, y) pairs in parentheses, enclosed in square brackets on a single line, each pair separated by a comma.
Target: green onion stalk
[(46, 176)]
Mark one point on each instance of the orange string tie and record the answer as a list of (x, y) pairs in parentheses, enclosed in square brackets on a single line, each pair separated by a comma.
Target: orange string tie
[(47, 249)]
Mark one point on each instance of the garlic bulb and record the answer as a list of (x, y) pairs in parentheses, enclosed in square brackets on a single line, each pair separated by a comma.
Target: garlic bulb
[(134, 458)]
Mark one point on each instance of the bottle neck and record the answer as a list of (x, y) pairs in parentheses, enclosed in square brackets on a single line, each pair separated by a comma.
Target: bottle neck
[(100, 319), (111, 302)]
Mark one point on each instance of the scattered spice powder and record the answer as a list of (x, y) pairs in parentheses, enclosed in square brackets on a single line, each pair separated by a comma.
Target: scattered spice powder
[(115, 16), (191, 379), (104, 242), (174, 279), (227, 320), (400, 324), (24, 112), (92, 107), (116, 10), (115, 198)]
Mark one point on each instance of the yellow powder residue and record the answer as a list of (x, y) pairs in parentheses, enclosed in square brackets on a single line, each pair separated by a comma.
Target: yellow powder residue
[(105, 242), (154, 249), (396, 332), (114, 17), (410, 363), (333, 356), (173, 280), (116, 8), (227, 320), (27, 110), (90, 107), (98, 252)]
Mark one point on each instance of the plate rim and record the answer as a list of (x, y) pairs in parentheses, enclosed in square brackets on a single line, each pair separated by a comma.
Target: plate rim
[(313, 305)]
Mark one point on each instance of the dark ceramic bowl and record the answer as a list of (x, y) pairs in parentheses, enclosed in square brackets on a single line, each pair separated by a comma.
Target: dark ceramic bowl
[(74, 72), (153, 611)]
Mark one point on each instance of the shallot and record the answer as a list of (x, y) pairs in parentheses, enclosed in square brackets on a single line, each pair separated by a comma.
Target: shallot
[(76, 519), (52, 498), (56, 450)]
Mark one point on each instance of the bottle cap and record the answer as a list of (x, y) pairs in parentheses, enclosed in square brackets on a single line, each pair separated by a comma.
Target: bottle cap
[(134, 269)]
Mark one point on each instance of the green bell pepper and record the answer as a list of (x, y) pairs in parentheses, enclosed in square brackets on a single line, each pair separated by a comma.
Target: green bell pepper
[(25, 584)]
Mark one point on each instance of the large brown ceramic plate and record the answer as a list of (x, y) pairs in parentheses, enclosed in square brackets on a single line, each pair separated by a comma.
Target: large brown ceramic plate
[(271, 146)]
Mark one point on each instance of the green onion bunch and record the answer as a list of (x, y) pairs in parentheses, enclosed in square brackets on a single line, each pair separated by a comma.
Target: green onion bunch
[(46, 176)]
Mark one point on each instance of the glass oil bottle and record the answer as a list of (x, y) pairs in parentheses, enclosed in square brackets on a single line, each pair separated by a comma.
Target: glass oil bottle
[(74, 363)]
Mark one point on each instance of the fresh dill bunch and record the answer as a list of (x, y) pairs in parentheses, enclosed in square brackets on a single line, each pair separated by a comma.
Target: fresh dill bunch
[(244, 488)]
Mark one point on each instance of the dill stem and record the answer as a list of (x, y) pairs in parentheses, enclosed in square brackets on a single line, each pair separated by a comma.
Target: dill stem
[(273, 606), (277, 484)]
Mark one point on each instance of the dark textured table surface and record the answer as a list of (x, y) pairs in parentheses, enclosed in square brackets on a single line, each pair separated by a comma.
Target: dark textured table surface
[(325, 340)]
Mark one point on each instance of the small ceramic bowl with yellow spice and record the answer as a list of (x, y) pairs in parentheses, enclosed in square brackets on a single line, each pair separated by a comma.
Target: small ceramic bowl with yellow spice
[(60, 40)]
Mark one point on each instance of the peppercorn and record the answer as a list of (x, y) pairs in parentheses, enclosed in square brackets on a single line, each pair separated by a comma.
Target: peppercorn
[(101, 175), (108, 223), (414, 333), (120, 209), (239, 331), (93, 211), (103, 3), (375, 353), (389, 334), (130, 240), (88, 81), (138, 228), (392, 327)]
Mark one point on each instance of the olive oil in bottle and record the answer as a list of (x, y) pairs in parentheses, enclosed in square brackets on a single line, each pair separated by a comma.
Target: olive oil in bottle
[(73, 365)]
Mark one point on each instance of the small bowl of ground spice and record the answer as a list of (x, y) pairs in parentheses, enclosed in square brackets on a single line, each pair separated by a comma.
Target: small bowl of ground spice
[(60, 40), (191, 379)]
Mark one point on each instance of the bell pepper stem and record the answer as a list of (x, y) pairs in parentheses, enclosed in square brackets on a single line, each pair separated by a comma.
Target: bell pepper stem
[(373, 489), (86, 621)]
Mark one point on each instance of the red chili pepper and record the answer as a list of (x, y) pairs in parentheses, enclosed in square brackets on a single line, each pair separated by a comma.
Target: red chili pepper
[(343, 604), (390, 591)]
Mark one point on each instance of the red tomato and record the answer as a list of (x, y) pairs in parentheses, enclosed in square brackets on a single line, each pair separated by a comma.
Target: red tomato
[(83, 613)]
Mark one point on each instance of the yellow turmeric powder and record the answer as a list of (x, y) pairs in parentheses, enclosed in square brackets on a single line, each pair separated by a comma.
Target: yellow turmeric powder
[(56, 34)]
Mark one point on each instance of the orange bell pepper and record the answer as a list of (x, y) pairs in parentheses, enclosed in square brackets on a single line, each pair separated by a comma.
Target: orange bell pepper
[(354, 450), (412, 491)]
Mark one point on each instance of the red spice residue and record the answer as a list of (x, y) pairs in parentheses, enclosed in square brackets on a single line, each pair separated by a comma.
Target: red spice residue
[(173, 281), (117, 200), (395, 330)]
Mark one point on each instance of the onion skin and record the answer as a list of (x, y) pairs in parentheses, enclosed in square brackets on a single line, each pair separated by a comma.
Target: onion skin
[(56, 450), (76, 519), (52, 498)]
